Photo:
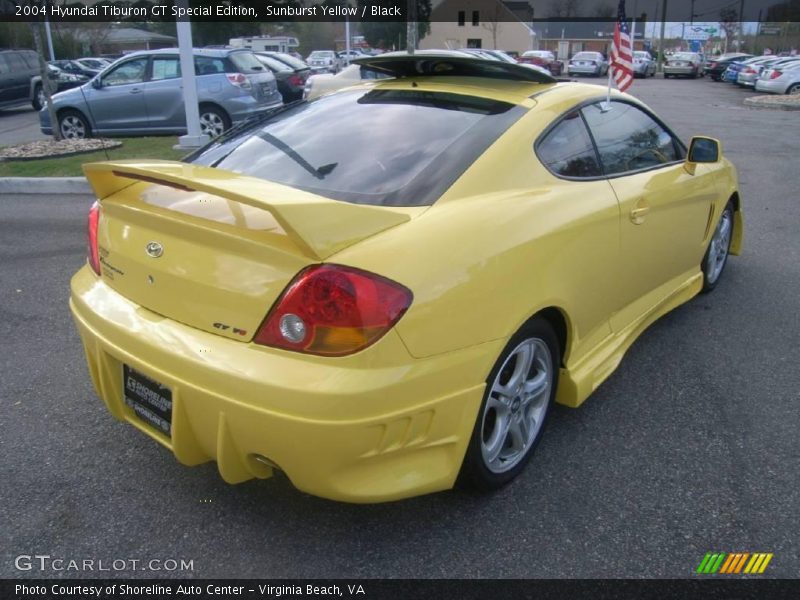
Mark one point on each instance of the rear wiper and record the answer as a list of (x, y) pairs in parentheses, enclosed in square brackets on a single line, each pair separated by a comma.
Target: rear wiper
[(249, 122)]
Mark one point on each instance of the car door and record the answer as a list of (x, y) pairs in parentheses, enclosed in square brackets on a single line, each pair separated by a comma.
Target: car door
[(164, 94), (588, 255), (118, 104), (664, 210), (19, 76)]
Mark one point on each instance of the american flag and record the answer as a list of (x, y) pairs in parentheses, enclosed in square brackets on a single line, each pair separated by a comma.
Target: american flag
[(622, 52)]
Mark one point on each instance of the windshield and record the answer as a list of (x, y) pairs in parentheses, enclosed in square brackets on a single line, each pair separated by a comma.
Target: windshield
[(381, 147), (322, 54)]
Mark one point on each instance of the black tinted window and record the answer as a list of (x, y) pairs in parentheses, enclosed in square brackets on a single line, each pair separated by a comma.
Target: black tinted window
[(385, 147), (567, 149), (628, 139), (16, 63)]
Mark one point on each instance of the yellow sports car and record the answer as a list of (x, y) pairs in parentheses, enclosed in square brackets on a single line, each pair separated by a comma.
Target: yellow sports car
[(381, 292)]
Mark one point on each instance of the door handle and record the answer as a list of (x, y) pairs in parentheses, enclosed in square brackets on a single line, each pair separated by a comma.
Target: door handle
[(639, 212), (136, 91)]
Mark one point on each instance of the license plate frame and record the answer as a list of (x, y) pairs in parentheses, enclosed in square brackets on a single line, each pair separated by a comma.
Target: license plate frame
[(149, 400)]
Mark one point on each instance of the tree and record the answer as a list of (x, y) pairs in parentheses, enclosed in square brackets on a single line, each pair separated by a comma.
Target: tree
[(563, 8), (728, 22)]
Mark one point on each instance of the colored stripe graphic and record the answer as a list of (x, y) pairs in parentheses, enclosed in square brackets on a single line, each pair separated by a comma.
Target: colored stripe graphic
[(733, 563)]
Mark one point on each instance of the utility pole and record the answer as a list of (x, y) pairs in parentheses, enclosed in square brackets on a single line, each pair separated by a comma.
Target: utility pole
[(661, 41), (691, 16), (740, 30), (411, 27), (194, 137)]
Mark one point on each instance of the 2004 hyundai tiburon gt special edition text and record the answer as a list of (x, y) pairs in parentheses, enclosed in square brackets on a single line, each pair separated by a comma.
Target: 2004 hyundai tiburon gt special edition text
[(381, 292)]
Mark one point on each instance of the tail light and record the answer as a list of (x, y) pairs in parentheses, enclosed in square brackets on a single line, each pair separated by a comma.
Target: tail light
[(92, 253), (239, 80), (296, 80), (775, 74), (749, 70), (332, 310)]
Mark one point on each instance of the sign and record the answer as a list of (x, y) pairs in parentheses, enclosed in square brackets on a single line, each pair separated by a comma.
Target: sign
[(768, 29), (700, 34)]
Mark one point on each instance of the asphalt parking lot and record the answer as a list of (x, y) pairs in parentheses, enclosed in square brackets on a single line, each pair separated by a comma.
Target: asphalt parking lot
[(690, 447), (19, 125)]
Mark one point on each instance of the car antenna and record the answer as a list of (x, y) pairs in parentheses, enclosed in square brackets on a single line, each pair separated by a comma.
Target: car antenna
[(91, 115)]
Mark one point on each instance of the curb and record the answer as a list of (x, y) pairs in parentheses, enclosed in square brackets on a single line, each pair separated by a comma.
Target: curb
[(45, 185), (755, 102)]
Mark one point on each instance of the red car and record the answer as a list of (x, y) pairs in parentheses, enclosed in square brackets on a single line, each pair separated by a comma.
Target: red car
[(542, 58)]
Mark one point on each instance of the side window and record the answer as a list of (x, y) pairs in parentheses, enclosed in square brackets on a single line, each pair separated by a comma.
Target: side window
[(567, 149), (628, 139), (131, 71), (31, 59), (16, 63), (204, 65), (165, 67)]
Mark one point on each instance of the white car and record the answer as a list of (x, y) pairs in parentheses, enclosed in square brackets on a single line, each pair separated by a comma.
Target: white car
[(324, 61), (317, 85), (588, 63), (781, 80)]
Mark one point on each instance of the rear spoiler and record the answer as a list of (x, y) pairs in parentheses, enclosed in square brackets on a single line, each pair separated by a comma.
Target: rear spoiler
[(319, 226)]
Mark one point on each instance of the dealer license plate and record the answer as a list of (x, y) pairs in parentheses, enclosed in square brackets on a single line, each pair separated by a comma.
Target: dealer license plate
[(151, 401)]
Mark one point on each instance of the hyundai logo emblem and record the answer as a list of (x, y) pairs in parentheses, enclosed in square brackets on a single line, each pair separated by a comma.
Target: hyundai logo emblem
[(154, 249)]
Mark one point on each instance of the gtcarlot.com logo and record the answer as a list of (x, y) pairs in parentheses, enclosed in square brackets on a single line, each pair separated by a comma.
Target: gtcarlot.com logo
[(45, 562), (734, 563)]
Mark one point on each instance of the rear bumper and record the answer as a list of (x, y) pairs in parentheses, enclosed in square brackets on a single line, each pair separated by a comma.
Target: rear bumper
[(376, 426), (680, 70), (770, 85), (747, 79)]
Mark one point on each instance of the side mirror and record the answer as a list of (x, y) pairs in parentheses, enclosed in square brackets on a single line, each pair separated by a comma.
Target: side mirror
[(97, 83), (704, 150)]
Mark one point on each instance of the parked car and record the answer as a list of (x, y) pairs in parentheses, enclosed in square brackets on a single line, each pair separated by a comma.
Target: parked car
[(291, 81), (507, 58), (75, 68), (324, 61), (542, 58), (20, 80), (716, 67), (644, 65), (95, 63), (731, 73), (748, 76), (343, 341), (345, 58), (142, 94), (325, 83), (588, 63), (783, 80), (683, 64)]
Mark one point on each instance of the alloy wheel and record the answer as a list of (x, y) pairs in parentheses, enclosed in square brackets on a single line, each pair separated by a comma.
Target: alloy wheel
[(211, 124), (516, 405), (718, 249), (73, 127)]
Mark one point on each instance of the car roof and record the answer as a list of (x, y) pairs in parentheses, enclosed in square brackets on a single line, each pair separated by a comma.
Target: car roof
[(210, 52), (440, 64)]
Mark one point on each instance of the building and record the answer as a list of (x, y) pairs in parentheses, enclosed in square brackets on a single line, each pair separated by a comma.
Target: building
[(266, 43), (565, 38), (491, 24)]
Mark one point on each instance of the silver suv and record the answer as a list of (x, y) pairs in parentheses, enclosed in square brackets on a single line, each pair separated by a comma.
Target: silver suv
[(141, 94)]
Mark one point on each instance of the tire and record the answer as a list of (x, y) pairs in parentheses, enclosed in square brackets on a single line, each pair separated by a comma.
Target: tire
[(73, 125), (666, 76), (716, 256), (39, 99), (509, 418), (793, 89), (213, 121)]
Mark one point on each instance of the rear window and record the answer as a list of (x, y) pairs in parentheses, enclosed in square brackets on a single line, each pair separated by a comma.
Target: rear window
[(585, 56), (380, 147), (246, 62), (274, 64), (290, 60)]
